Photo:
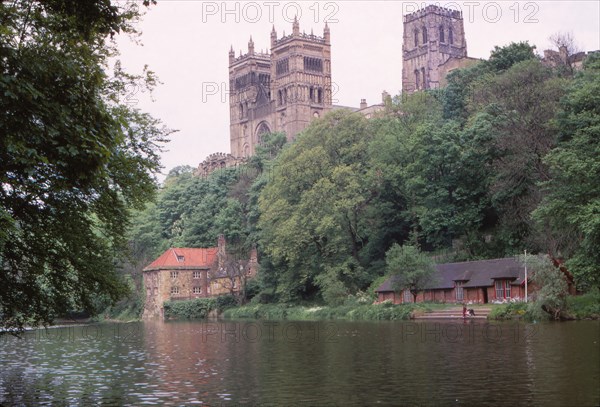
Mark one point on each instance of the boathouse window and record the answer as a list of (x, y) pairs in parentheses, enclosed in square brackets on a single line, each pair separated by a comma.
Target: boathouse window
[(174, 290), (499, 289), (460, 295), (408, 297), (196, 274), (196, 290), (174, 274), (502, 289)]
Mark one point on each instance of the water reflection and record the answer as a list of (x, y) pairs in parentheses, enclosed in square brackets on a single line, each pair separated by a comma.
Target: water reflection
[(304, 363)]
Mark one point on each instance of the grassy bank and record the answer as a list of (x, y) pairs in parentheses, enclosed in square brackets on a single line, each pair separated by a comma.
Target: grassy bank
[(385, 311), (585, 306)]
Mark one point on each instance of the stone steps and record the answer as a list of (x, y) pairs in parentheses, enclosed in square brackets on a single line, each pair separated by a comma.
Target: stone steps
[(454, 313)]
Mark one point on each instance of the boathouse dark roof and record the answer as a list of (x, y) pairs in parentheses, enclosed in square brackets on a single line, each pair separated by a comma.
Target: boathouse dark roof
[(480, 273)]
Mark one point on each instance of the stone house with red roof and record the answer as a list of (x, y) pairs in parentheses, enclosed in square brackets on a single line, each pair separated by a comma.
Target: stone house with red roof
[(474, 282), (189, 273)]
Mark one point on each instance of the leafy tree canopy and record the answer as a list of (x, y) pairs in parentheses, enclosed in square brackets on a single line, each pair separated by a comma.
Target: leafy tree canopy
[(411, 269), (73, 157)]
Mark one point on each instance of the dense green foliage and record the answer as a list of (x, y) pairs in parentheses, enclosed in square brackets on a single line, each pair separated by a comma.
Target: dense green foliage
[(502, 160), (74, 157), (571, 207), (412, 269), (551, 297), (384, 311), (198, 308)]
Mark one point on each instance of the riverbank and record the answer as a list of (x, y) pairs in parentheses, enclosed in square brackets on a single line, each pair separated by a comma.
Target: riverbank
[(585, 306)]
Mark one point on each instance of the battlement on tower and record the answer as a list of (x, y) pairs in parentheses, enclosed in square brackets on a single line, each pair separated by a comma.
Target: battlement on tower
[(265, 56), (432, 9), (307, 37)]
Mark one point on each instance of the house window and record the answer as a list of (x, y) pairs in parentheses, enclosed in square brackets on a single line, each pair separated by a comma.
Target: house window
[(503, 289), (408, 297), (460, 295), (174, 290), (499, 289), (196, 290), (196, 274), (174, 274)]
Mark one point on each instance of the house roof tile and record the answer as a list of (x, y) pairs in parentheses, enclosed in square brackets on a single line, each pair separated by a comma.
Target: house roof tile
[(480, 273), (184, 258)]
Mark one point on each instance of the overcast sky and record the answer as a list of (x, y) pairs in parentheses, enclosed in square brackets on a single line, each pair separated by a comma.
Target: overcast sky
[(187, 43)]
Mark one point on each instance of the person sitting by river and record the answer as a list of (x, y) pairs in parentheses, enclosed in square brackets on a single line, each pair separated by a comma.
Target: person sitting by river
[(464, 310), (471, 312)]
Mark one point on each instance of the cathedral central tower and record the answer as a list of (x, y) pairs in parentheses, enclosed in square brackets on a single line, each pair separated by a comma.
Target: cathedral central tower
[(278, 91), (433, 36)]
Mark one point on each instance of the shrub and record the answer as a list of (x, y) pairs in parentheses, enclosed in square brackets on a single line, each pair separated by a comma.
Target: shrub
[(586, 305), (510, 311), (192, 309)]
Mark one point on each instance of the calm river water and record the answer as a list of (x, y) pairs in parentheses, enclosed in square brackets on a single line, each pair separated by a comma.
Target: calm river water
[(283, 363)]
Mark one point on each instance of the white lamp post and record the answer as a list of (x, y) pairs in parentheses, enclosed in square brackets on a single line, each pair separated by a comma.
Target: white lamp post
[(525, 275)]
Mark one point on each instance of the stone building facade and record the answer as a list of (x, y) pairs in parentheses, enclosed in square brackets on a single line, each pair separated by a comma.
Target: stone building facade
[(217, 161), (188, 273), (280, 91), (432, 36)]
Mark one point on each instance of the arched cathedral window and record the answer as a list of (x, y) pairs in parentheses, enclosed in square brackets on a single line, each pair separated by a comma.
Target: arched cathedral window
[(450, 36), (416, 38), (424, 35), (442, 39)]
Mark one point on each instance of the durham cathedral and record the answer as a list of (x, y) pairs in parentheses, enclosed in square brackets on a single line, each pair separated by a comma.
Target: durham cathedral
[(285, 89)]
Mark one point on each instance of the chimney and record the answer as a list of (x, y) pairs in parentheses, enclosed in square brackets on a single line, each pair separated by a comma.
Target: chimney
[(253, 263), (562, 50), (221, 252), (363, 103), (384, 96)]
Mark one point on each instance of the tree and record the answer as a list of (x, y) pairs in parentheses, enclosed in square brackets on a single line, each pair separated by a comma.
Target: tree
[(313, 209), (520, 105), (502, 58), (233, 270), (410, 268), (551, 296), (74, 159), (567, 47), (571, 207)]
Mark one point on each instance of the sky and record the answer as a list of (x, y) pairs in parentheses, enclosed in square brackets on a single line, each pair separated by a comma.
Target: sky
[(186, 43)]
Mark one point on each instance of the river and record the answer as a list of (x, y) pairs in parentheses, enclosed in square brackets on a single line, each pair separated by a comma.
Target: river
[(285, 363)]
